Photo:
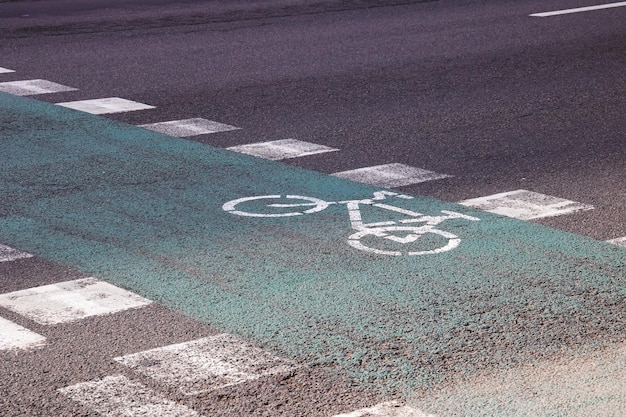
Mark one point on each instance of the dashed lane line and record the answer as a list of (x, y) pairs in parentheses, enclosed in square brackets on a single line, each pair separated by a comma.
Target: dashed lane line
[(525, 205), (189, 127), (8, 254), (14, 337), (277, 150), (580, 9), (33, 87), (70, 301), (390, 175), (106, 105)]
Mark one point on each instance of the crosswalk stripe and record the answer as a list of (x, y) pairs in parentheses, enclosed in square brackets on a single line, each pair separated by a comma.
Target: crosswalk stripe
[(620, 241), (70, 301), (388, 409), (13, 336), (525, 205), (277, 150), (8, 254), (5, 70), (390, 175), (106, 105), (33, 87), (189, 127), (119, 396), (206, 364)]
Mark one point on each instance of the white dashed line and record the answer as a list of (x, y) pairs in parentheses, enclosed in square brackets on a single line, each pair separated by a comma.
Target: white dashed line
[(189, 127), (206, 364), (8, 254), (620, 241), (390, 175), (282, 149), (5, 70), (33, 87), (70, 301), (119, 396), (580, 9), (388, 409), (106, 105), (13, 336), (525, 205)]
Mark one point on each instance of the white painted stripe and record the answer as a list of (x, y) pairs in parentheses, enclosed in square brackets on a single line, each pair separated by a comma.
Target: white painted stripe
[(119, 396), (620, 241), (580, 9), (388, 409), (206, 364), (282, 149), (33, 87), (70, 301), (13, 336), (5, 70), (390, 175), (525, 205), (189, 127), (8, 254), (106, 105)]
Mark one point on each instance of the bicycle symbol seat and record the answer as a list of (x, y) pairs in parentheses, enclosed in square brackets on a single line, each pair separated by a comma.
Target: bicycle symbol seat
[(401, 232)]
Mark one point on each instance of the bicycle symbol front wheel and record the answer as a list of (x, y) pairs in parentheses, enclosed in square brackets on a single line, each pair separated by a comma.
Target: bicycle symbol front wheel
[(413, 234), (282, 206)]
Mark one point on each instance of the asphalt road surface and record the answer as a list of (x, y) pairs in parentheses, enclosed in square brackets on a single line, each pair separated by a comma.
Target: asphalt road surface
[(519, 118)]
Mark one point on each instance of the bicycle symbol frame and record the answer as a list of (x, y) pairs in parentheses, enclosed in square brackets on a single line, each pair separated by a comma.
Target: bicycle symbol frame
[(385, 230)]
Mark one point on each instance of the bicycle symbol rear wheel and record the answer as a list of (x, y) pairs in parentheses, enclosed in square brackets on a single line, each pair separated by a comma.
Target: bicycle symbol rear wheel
[(297, 206)]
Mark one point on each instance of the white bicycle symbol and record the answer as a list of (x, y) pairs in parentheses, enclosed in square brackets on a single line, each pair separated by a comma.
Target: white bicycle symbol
[(300, 205)]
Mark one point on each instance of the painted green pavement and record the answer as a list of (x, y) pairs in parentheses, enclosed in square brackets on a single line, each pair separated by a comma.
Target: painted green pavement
[(145, 211)]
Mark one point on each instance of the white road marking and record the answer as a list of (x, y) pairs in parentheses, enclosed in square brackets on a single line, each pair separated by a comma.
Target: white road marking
[(282, 149), (8, 254), (106, 105), (13, 336), (580, 9), (206, 364), (5, 70), (118, 396), (70, 301), (525, 205), (620, 241), (189, 127), (390, 175), (388, 409), (33, 87)]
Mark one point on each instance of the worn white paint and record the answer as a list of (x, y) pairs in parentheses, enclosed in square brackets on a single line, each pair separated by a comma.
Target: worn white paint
[(5, 70), (70, 301), (390, 175), (8, 254), (33, 87), (387, 409), (206, 364), (14, 337), (188, 127), (282, 149), (620, 241), (525, 205), (106, 105), (114, 396), (580, 9)]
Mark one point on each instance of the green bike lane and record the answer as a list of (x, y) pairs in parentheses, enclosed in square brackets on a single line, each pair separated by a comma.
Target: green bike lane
[(145, 212)]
